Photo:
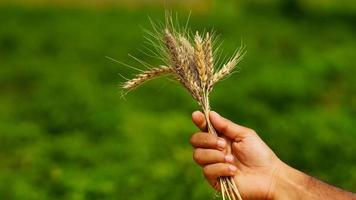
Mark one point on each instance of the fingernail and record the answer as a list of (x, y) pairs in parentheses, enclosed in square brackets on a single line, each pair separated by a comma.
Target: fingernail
[(232, 168), (221, 143), (229, 158)]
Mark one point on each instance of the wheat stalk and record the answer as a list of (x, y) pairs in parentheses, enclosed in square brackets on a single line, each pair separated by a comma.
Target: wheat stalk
[(192, 65)]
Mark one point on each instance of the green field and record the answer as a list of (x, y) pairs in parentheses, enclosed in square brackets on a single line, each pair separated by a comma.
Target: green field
[(65, 133)]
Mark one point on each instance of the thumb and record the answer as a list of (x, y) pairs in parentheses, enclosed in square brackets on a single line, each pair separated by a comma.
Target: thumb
[(227, 127)]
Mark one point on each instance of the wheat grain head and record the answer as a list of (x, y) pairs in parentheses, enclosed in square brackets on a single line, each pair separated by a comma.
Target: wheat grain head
[(227, 68), (145, 76), (192, 64)]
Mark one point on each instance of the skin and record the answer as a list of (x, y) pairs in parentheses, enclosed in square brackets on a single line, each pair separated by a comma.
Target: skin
[(258, 173)]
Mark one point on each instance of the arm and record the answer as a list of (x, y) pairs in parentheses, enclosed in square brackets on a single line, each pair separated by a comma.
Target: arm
[(257, 171), (293, 184)]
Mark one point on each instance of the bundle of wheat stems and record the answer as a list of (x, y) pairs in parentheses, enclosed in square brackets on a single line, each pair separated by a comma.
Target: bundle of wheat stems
[(189, 59)]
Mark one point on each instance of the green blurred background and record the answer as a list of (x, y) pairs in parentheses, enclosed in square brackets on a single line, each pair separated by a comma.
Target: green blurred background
[(66, 134)]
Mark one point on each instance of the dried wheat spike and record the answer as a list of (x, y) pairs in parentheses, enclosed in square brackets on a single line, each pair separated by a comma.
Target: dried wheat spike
[(186, 44), (185, 58), (200, 60), (227, 68), (172, 48), (192, 65), (145, 76), (208, 57), (187, 51), (180, 63)]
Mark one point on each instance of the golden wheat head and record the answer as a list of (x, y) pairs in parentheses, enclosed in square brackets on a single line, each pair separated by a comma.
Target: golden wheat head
[(191, 63)]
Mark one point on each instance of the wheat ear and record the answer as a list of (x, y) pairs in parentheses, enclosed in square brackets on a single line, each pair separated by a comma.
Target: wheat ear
[(145, 76), (228, 67), (208, 58), (200, 60), (180, 63), (193, 66), (188, 51)]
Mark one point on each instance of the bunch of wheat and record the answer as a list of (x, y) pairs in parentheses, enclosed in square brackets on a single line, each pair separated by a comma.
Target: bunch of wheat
[(191, 62)]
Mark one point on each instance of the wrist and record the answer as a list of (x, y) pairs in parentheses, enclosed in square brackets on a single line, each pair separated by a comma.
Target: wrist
[(289, 183)]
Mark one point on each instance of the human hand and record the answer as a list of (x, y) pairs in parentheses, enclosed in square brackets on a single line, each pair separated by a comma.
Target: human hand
[(238, 152)]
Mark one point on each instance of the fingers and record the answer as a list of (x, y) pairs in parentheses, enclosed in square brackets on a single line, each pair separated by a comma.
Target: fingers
[(199, 120), (213, 171), (209, 141), (209, 156), (228, 128), (209, 149)]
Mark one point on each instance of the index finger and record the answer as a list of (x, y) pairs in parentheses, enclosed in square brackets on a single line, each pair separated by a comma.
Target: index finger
[(199, 120)]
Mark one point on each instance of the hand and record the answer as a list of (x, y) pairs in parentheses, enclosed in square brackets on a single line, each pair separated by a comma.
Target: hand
[(238, 152), (257, 171)]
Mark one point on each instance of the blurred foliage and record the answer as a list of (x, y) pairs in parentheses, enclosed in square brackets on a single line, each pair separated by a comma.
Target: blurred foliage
[(66, 134)]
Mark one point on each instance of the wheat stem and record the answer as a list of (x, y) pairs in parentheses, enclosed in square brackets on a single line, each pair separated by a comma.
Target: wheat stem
[(228, 185), (234, 187), (221, 188)]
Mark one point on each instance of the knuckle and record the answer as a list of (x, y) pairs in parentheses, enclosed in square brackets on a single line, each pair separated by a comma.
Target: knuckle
[(225, 127), (206, 171), (251, 132), (202, 124), (197, 155), (205, 141), (194, 138)]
